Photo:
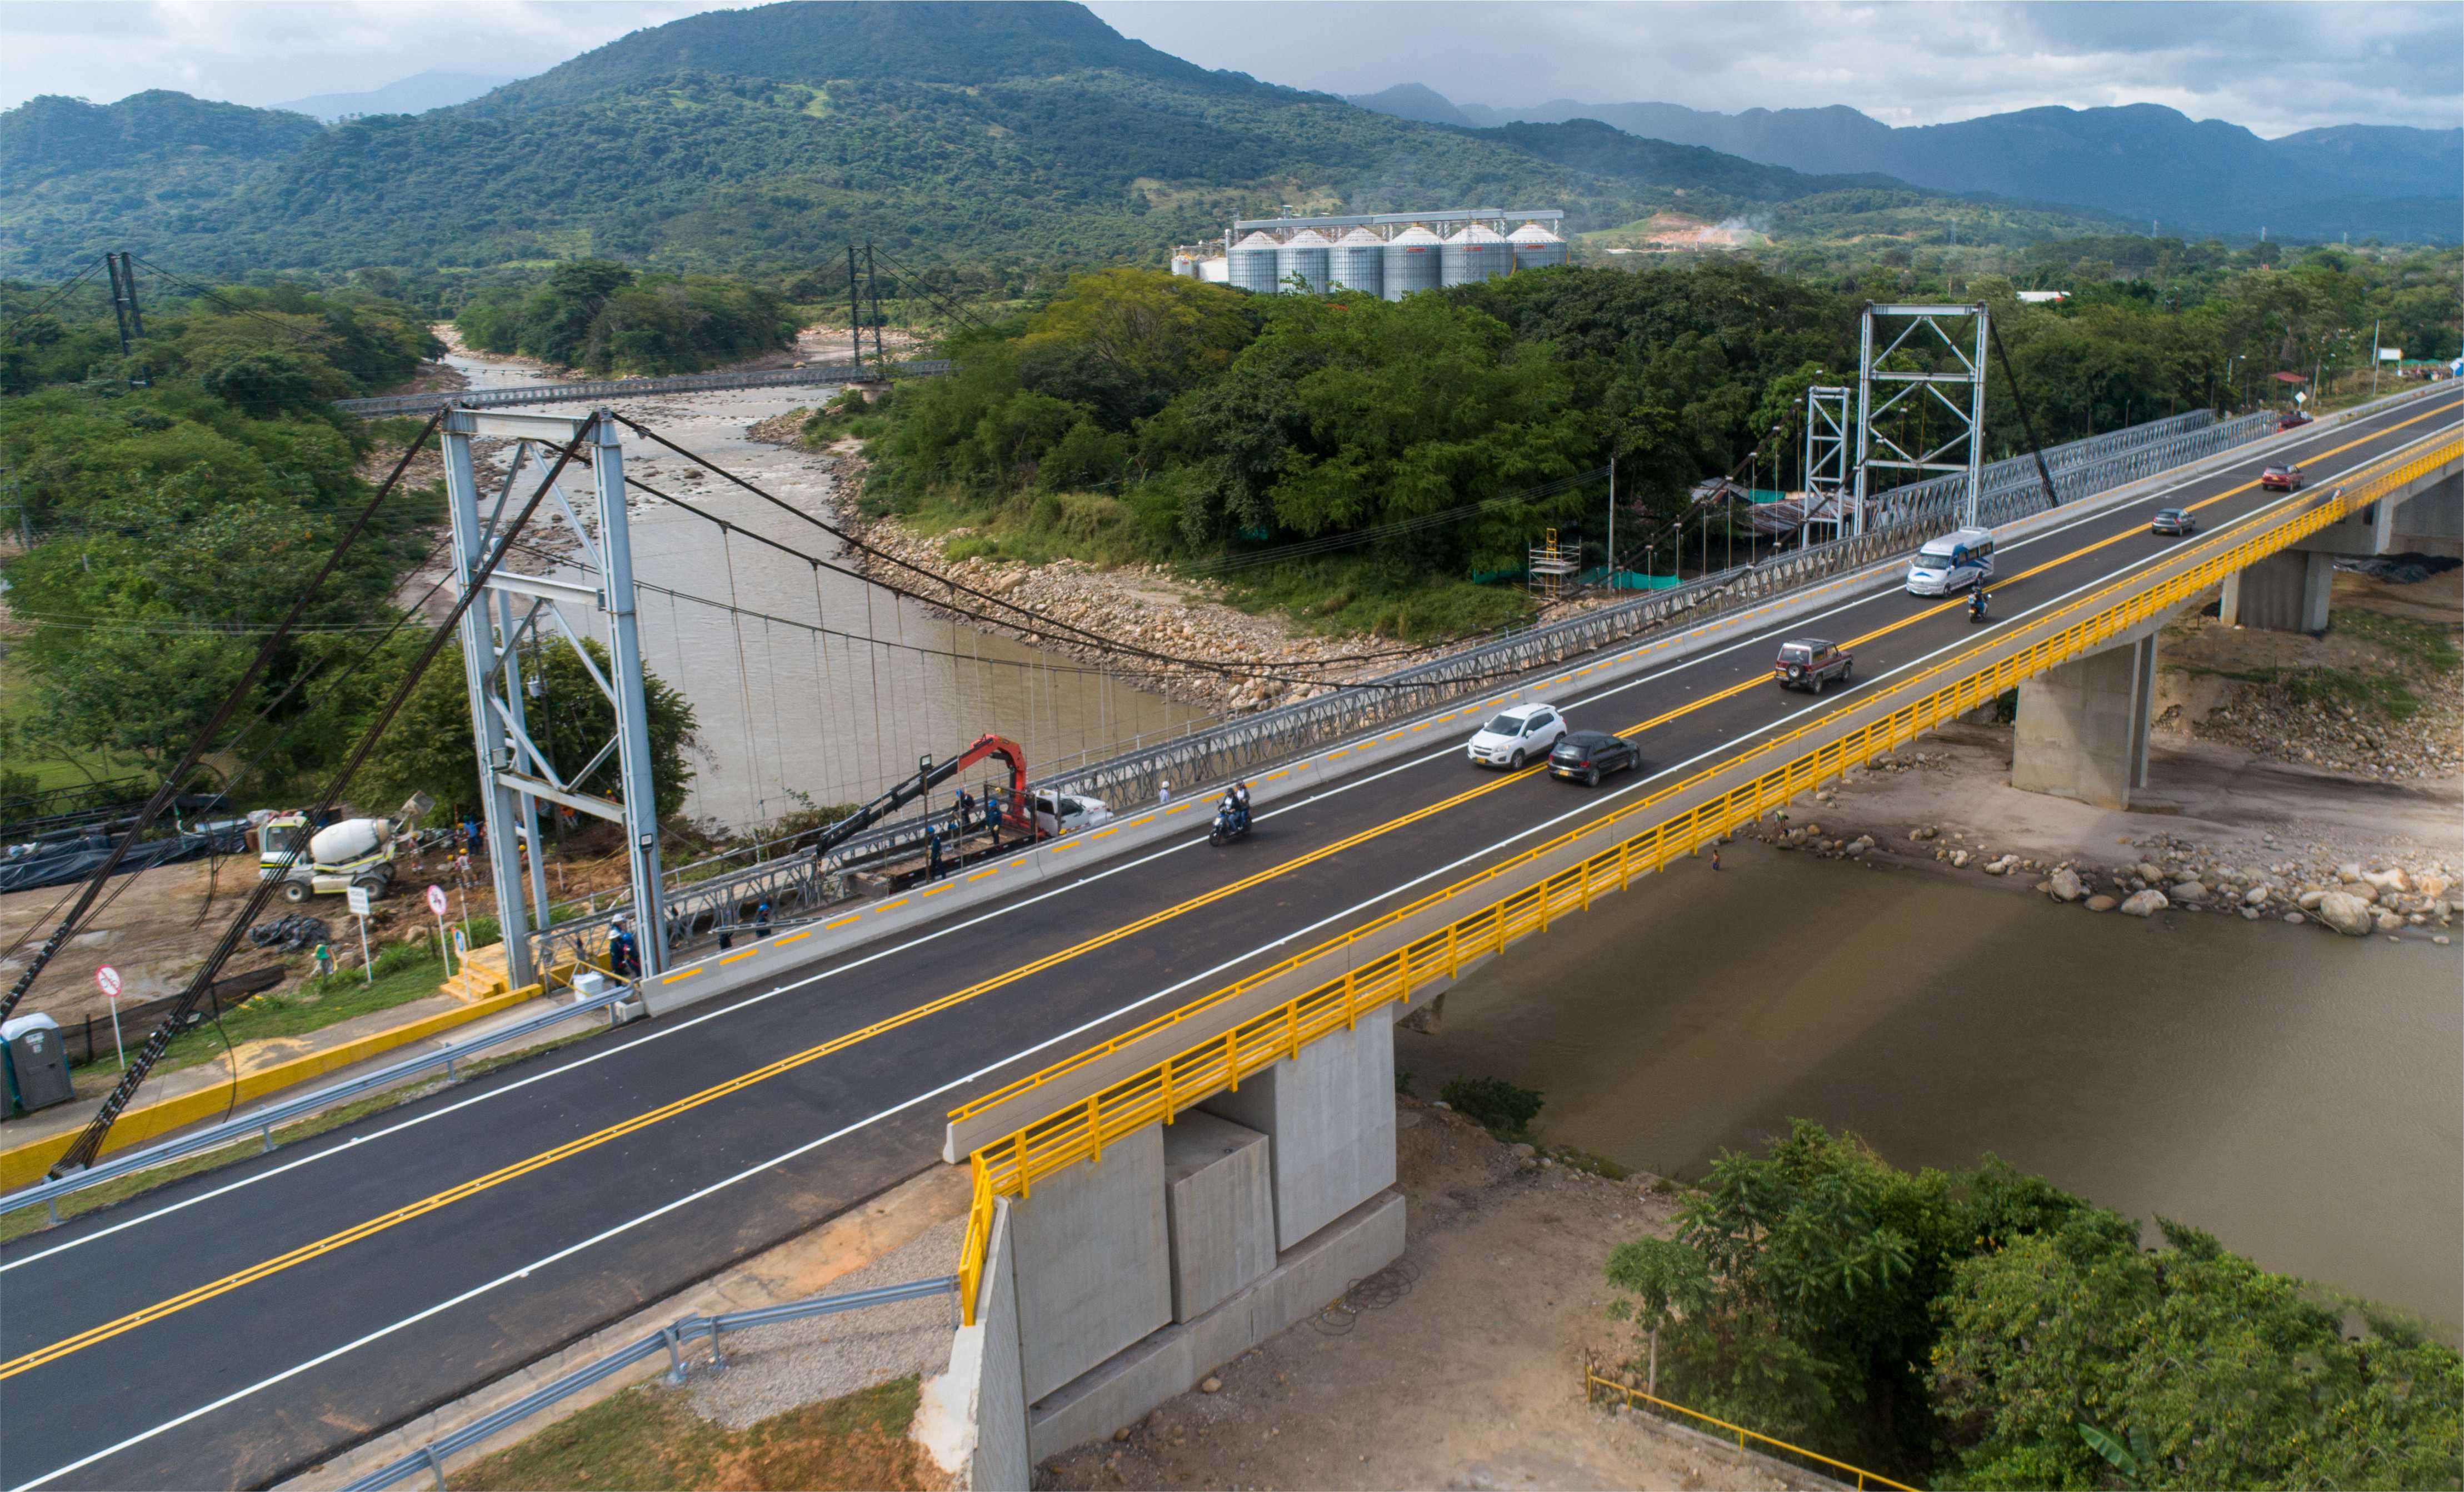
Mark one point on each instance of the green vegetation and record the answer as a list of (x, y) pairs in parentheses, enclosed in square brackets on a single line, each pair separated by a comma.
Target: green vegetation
[(649, 1439), (1499, 1106), (603, 319), (2423, 646), (753, 140), (1986, 1330), (1135, 417), (404, 972)]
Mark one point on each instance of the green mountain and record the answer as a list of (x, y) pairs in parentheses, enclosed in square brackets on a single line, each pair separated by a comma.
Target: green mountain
[(1019, 134)]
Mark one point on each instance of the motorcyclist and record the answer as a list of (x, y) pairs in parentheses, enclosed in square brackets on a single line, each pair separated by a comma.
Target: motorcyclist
[(1241, 803), (1976, 600)]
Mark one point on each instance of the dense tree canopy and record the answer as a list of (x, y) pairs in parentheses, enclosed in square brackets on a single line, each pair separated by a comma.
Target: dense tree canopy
[(1984, 1330), (602, 318)]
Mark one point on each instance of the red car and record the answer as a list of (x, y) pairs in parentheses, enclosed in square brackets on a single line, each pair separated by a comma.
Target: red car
[(2281, 478), (2294, 420)]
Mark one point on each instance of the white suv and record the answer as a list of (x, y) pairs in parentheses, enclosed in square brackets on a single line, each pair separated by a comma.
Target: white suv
[(1520, 735)]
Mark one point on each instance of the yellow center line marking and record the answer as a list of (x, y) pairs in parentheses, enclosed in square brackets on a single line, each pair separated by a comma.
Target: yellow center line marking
[(571, 1148)]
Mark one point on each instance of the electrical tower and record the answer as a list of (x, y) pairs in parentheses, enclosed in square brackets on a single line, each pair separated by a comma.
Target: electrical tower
[(1922, 358), (516, 771)]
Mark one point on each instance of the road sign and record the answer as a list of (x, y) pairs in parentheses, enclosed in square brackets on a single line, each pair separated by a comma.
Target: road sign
[(359, 903), (436, 900), (106, 978), (358, 898)]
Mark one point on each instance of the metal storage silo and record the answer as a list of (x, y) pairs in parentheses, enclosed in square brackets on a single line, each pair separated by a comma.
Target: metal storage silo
[(1473, 255), (1185, 267), (1303, 255), (1535, 248), (1412, 258), (1253, 263), (1357, 261), (1216, 271)]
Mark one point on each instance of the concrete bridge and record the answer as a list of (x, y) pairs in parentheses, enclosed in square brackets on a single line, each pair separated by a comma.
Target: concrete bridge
[(1042, 1021)]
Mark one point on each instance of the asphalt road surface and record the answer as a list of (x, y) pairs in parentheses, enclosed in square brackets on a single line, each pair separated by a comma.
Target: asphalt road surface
[(242, 1326)]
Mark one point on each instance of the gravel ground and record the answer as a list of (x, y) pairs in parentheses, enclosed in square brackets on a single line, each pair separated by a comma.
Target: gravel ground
[(776, 1367)]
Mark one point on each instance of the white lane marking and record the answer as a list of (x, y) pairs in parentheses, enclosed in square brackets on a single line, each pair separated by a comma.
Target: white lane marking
[(569, 1250), (1348, 786)]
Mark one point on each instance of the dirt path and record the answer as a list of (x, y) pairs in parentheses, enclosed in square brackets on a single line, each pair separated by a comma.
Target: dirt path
[(1459, 1369)]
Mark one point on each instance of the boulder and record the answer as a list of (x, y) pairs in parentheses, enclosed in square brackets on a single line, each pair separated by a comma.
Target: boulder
[(2100, 903), (2349, 870), (2345, 913), (1959, 859), (2256, 896), (2389, 922), (2391, 880), (2310, 900), (2002, 866), (2188, 892), (2067, 886), (2364, 889), (2149, 872), (2144, 904), (2296, 918)]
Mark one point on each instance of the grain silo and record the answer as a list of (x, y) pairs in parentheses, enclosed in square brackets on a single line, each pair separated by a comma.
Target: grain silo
[(1535, 248), (1185, 265), (1253, 263), (1473, 255), (1215, 271), (1412, 258), (1305, 255), (1357, 261)]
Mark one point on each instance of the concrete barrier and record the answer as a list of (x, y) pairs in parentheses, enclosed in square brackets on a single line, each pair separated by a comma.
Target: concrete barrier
[(1093, 1260), (1220, 1209), (1330, 1114)]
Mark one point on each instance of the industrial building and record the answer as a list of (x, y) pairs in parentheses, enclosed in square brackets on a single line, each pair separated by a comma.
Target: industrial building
[(1389, 254)]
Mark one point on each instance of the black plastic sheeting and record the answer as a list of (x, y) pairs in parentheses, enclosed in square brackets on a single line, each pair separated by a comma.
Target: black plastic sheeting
[(26, 866)]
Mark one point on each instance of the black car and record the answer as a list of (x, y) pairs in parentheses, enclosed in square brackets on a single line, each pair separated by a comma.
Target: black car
[(1593, 754), (2172, 520)]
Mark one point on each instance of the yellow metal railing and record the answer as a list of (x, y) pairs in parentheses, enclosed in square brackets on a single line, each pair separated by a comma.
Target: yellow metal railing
[(1593, 1382), (1009, 1166)]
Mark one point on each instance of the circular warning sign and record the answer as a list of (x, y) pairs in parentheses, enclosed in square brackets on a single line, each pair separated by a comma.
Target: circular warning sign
[(436, 900), (107, 979)]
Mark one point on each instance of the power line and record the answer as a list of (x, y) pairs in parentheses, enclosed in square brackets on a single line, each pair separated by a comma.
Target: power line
[(232, 306), (65, 286), (1049, 626)]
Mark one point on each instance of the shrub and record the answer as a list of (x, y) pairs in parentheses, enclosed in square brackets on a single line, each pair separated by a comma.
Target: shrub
[(1497, 1105)]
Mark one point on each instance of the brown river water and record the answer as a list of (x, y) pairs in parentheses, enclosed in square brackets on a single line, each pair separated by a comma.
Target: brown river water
[(2299, 1095)]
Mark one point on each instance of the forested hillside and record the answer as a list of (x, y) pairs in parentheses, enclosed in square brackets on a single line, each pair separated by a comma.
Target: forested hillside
[(754, 139)]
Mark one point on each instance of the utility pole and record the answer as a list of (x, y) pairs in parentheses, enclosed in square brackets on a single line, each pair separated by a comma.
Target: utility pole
[(2375, 358), (855, 314), (872, 280), (1612, 564), (131, 323)]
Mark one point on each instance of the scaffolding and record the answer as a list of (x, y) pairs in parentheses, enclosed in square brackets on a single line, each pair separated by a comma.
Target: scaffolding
[(1551, 568)]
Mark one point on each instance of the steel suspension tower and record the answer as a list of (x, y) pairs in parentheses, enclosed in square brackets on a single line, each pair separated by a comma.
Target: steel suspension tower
[(1924, 357), (517, 769)]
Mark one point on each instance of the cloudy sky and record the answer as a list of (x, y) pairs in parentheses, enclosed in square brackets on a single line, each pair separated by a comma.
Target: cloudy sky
[(2273, 67)]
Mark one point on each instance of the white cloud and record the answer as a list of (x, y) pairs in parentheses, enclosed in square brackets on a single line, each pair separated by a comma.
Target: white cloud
[(2273, 67)]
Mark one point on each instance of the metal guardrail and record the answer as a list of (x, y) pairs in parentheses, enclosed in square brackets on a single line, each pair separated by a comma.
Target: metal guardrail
[(668, 1339), (261, 1122), (630, 388), (1009, 1166), (1594, 1381), (1216, 752)]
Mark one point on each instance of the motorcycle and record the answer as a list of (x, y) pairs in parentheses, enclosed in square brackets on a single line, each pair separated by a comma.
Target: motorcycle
[(1977, 607), (1227, 827)]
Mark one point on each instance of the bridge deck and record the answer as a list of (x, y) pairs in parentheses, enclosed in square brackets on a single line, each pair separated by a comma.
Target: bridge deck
[(340, 1287)]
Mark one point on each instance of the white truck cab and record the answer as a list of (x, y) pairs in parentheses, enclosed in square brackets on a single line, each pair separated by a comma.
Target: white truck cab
[(1067, 813)]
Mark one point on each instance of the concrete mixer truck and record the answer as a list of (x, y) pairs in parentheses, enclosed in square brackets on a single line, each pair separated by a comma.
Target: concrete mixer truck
[(341, 855)]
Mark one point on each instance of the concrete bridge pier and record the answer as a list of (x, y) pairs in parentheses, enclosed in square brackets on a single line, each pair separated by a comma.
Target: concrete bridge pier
[(2082, 726), (1122, 1280), (2285, 592)]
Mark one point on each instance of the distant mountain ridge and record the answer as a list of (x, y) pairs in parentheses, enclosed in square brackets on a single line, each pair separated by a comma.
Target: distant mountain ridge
[(756, 138), (2139, 161), (416, 94)]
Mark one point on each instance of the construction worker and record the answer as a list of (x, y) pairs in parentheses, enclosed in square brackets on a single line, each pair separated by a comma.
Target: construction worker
[(624, 955)]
